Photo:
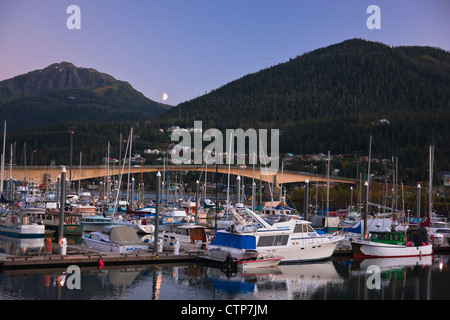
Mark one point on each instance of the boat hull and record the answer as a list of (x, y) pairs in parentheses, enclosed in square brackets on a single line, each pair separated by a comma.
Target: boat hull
[(110, 247), (362, 249), (24, 231), (259, 263), (295, 252), (308, 252)]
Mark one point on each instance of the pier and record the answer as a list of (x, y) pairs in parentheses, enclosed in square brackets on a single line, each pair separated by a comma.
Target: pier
[(83, 257)]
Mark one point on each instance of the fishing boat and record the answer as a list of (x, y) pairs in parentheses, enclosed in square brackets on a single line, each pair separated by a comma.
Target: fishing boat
[(414, 242), (295, 240), (18, 224), (120, 239), (72, 225)]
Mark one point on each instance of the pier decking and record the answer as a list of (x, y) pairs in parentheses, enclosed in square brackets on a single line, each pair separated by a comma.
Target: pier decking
[(83, 258)]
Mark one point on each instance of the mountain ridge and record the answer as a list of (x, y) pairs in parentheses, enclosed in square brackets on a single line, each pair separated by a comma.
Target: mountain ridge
[(63, 92), (332, 99)]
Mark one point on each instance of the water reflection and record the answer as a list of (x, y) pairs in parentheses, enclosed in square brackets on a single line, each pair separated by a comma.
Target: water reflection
[(20, 246), (416, 278)]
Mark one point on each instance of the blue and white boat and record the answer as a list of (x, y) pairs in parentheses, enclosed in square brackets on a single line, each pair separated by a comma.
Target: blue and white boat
[(294, 240)]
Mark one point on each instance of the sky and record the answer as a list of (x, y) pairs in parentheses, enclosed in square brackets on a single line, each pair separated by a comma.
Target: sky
[(186, 48)]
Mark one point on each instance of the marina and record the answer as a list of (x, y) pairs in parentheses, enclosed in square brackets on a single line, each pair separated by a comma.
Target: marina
[(196, 283)]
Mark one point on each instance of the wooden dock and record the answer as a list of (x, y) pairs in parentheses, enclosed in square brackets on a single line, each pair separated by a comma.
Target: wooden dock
[(89, 258)]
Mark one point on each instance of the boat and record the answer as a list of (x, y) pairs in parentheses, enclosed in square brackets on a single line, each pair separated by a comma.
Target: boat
[(295, 240), (378, 244), (277, 211), (72, 225), (189, 237), (439, 231), (122, 239), (17, 223), (173, 219), (95, 223), (141, 224), (260, 260)]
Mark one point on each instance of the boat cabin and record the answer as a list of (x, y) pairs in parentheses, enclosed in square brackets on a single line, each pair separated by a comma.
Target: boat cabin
[(195, 233), (396, 238), (414, 237)]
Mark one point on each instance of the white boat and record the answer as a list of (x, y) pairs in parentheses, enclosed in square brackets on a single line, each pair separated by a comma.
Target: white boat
[(439, 231), (277, 211), (392, 244), (120, 239), (260, 260), (188, 236), (173, 219), (294, 240), (139, 224), (18, 224)]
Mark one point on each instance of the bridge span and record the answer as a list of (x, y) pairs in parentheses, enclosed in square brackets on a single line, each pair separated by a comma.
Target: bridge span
[(46, 174)]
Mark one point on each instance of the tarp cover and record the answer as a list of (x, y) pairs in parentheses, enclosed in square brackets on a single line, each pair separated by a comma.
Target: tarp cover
[(124, 235), (232, 240)]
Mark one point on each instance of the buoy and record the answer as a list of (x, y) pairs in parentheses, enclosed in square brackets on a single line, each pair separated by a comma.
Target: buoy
[(100, 264), (48, 245)]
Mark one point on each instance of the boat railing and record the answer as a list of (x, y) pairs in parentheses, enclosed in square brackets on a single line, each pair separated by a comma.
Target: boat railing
[(310, 239)]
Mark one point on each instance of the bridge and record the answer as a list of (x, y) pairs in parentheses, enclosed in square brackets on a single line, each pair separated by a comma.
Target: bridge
[(46, 174)]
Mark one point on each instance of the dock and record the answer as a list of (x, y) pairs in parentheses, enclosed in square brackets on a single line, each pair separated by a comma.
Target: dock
[(89, 258)]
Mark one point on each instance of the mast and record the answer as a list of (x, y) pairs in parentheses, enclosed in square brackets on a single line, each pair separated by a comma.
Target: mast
[(3, 160), (129, 165), (107, 171), (430, 184), (368, 188), (328, 185), (253, 184), (79, 176)]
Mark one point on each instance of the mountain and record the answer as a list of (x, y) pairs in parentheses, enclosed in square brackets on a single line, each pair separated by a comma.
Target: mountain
[(333, 98), (63, 92)]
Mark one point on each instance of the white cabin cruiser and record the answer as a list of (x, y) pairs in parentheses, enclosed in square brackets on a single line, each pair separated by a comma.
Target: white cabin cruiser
[(120, 239), (295, 240)]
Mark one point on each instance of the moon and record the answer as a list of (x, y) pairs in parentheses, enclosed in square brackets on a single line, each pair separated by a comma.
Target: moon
[(164, 96)]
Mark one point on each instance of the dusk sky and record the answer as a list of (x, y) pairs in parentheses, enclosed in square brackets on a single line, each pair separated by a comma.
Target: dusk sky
[(185, 48)]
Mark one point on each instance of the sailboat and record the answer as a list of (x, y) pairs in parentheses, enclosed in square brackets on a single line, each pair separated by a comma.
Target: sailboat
[(411, 242)]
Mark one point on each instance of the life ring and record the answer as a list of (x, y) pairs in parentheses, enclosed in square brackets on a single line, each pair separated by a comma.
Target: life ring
[(13, 218)]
